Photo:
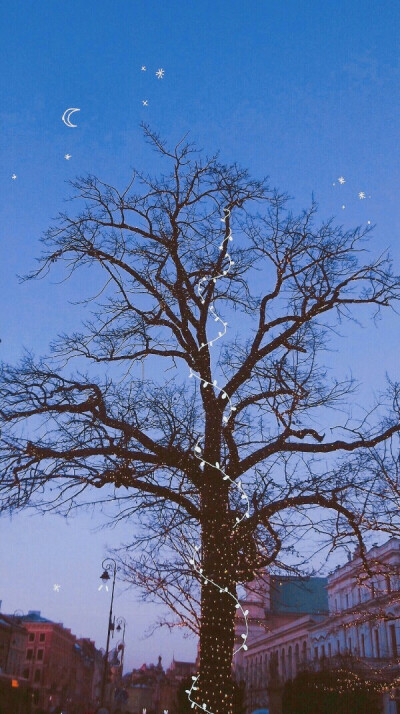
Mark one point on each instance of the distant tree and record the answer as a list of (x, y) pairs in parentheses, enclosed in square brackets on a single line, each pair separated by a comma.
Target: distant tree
[(244, 467), (333, 691)]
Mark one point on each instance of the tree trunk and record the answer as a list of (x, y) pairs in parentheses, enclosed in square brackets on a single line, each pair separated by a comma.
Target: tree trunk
[(217, 616)]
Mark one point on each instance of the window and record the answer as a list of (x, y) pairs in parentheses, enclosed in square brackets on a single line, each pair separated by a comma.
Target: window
[(25, 674), (359, 595), (337, 646), (315, 652), (363, 645), (393, 640), (29, 654), (347, 601), (377, 647), (323, 651), (42, 637), (349, 641), (388, 584), (39, 655), (336, 608), (31, 637), (329, 649), (37, 675)]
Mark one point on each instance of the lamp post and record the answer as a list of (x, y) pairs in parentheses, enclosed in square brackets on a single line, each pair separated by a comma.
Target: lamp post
[(109, 566), (121, 625)]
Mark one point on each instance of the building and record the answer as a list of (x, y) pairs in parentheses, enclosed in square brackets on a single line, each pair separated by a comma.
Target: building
[(281, 612), (153, 689), (58, 668), (298, 624), (13, 639)]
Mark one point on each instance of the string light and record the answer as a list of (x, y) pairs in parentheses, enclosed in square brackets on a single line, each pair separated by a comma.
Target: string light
[(198, 454)]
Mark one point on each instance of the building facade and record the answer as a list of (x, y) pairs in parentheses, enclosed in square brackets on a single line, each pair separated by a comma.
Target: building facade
[(308, 624), (12, 646), (58, 668)]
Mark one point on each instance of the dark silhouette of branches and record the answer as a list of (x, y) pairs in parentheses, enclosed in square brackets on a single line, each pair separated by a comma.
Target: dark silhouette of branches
[(170, 284)]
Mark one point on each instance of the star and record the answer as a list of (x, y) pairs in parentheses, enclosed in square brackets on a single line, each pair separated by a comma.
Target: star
[(56, 588), (143, 68), (341, 179), (160, 73), (361, 195), (14, 176), (145, 102), (67, 156)]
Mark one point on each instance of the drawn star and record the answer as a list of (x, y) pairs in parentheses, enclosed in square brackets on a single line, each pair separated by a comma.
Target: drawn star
[(143, 68), (67, 156), (56, 587), (160, 73), (14, 176), (145, 102), (361, 195), (341, 179)]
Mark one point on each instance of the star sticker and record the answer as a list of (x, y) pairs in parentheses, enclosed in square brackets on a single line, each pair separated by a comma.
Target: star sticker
[(67, 156), (14, 176), (143, 68), (145, 102), (361, 195), (56, 587), (160, 73), (341, 180)]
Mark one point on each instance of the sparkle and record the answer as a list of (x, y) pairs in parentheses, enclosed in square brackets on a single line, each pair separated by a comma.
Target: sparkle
[(160, 73), (145, 102), (361, 195), (341, 180), (343, 206), (56, 587), (102, 586), (67, 156), (14, 176), (143, 68), (369, 223)]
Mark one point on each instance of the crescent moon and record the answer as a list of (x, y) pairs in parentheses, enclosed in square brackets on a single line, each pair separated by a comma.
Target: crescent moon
[(66, 116)]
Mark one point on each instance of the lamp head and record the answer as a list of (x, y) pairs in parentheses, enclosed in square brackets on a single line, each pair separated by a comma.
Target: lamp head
[(105, 576)]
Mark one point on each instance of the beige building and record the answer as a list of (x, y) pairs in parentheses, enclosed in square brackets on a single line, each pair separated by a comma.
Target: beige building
[(297, 624)]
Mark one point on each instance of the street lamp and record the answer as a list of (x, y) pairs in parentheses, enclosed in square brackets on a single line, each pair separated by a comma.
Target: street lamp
[(109, 566)]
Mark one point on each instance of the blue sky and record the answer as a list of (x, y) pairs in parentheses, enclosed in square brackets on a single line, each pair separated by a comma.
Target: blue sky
[(304, 92)]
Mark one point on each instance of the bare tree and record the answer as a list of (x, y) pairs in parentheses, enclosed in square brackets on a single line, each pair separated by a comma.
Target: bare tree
[(248, 465)]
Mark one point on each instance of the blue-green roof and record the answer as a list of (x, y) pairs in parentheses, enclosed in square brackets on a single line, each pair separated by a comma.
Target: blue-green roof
[(299, 595), (33, 616)]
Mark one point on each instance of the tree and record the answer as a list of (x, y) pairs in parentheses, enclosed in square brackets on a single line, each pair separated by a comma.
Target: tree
[(183, 705), (172, 278), (332, 691)]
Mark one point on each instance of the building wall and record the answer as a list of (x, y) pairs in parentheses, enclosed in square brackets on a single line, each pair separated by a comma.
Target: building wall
[(363, 621)]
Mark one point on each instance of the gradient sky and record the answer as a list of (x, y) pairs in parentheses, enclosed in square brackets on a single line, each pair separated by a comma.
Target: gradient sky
[(304, 92)]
